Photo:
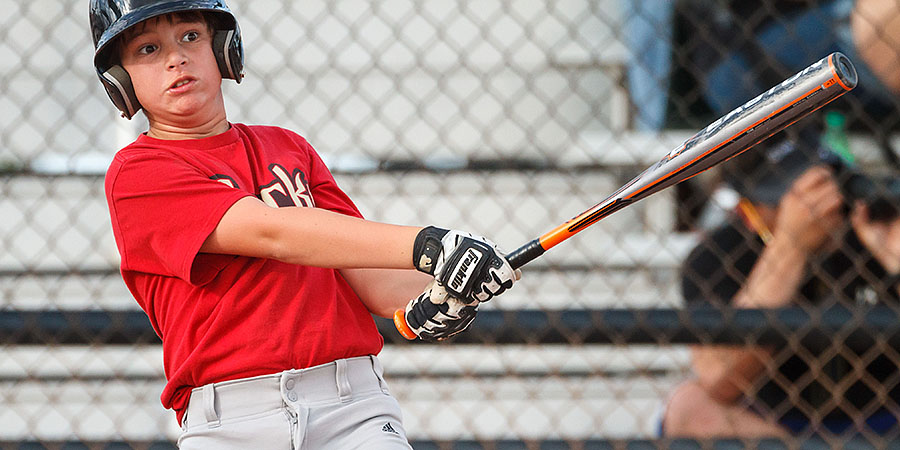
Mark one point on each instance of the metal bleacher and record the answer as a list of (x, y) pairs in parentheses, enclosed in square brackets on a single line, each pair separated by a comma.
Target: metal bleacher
[(82, 390)]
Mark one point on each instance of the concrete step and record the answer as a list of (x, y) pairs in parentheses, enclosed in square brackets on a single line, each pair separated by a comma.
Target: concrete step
[(503, 79), (62, 223), (612, 148), (416, 28), (55, 223), (144, 362), (434, 408), (444, 36), (551, 289)]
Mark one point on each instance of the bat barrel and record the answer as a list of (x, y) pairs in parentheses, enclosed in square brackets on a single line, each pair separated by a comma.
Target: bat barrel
[(747, 125)]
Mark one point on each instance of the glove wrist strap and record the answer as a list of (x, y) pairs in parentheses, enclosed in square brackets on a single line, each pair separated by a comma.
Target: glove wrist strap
[(427, 247)]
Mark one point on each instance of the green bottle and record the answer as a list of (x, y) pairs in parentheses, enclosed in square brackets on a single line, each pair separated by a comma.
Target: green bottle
[(835, 136)]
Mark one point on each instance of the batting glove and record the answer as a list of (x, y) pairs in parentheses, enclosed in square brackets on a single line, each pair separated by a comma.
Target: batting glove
[(469, 267), (434, 315)]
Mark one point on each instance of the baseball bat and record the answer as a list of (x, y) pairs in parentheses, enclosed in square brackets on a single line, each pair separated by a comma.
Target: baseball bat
[(727, 137)]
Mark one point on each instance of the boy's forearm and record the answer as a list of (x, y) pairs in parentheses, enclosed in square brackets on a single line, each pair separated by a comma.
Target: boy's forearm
[(321, 238), (310, 236), (384, 291)]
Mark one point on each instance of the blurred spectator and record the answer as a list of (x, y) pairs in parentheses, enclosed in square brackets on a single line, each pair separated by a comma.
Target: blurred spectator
[(717, 54), (737, 49), (876, 31), (795, 239), (648, 36), (743, 48)]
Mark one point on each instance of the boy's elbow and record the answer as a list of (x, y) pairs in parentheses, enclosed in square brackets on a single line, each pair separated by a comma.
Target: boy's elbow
[(278, 242), (381, 311), (270, 245), (251, 228)]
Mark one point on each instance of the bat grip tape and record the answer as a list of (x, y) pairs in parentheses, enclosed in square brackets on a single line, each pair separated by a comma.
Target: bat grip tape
[(525, 253)]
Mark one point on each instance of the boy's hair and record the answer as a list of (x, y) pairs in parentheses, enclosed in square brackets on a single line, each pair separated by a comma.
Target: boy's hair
[(111, 20), (114, 55)]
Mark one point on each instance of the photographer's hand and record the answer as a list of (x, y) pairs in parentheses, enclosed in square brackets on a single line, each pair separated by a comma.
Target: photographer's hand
[(810, 213), (882, 239), (807, 217)]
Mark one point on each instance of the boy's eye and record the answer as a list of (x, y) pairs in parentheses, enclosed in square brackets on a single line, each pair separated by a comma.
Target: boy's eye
[(147, 49), (191, 36)]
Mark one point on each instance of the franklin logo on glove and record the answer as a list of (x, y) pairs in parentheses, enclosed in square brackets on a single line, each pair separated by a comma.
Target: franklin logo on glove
[(463, 271)]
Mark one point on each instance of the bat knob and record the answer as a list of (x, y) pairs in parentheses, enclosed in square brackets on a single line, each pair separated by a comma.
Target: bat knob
[(402, 326)]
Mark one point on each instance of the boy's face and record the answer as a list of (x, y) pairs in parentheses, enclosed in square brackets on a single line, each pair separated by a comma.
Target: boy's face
[(173, 70)]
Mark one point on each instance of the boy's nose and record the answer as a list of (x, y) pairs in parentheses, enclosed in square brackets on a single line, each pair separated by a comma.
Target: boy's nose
[(173, 63), (176, 58)]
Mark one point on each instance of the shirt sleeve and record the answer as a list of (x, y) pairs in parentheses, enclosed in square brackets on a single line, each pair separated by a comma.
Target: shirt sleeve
[(162, 211)]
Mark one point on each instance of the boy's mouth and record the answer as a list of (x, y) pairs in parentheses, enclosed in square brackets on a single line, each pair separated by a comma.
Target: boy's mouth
[(180, 82)]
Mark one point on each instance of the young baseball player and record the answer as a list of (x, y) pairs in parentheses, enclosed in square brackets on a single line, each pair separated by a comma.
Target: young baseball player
[(255, 269)]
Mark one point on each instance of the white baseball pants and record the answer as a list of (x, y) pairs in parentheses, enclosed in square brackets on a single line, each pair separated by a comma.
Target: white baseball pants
[(340, 405)]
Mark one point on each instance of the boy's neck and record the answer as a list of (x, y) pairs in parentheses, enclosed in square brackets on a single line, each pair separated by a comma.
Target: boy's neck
[(174, 132)]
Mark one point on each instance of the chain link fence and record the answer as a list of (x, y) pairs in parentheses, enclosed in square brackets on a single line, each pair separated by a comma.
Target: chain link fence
[(499, 117)]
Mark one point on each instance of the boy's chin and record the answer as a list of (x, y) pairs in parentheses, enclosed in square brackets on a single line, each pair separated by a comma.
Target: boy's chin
[(188, 113)]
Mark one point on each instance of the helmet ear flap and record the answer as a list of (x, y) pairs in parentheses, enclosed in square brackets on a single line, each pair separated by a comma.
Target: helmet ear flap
[(226, 48), (228, 51), (120, 90)]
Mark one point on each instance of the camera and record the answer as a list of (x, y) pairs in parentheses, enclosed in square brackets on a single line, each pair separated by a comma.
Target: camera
[(880, 193)]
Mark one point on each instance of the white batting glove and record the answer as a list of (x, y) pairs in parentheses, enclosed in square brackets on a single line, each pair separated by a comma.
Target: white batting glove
[(469, 267), (434, 315)]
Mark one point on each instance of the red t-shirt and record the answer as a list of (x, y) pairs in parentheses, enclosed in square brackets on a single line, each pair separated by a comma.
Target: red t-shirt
[(223, 317)]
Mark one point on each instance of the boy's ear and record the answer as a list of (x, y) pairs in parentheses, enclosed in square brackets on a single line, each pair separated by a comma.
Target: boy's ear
[(120, 90), (228, 51)]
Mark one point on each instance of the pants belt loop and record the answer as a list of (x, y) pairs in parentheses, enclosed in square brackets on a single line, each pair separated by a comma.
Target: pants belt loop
[(341, 380), (209, 406), (379, 373)]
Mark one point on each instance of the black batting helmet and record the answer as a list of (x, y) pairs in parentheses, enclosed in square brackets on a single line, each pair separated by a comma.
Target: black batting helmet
[(109, 18)]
